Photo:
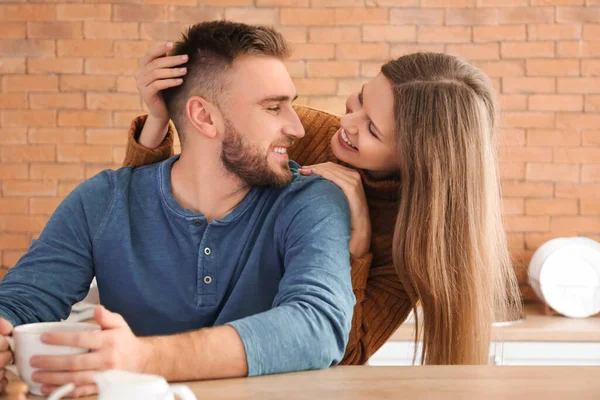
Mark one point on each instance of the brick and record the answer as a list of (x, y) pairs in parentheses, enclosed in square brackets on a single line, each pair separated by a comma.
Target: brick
[(516, 240), (126, 84), (592, 103), (578, 14), (556, 102), (294, 34), (14, 240), (513, 102), (194, 14), (111, 66), (553, 31), (132, 48), (55, 30), (123, 119), (22, 223), (55, 65), (163, 31), (527, 50), (589, 191), (84, 118), (11, 257), (82, 12), (399, 50), (575, 224), (553, 137), (577, 155), (361, 16), (590, 137), (27, 47), (347, 87), (95, 169), (14, 65), (13, 136), (522, 223), (27, 12), (575, 120), (337, 3), (29, 118), (513, 206), (55, 135), (502, 68), (110, 30), (312, 51), (14, 171), (281, 3), (534, 240), (28, 153), (80, 153), (334, 105), (590, 173), (87, 82), (528, 85), (552, 172), (29, 83), (85, 48), (557, 2), (487, 51), (526, 15), (106, 101), (184, 2), (252, 15), (29, 188), (370, 69), (528, 119), (64, 188), (499, 33), (362, 51), (447, 3), (591, 32), (526, 154), (56, 171), (590, 207), (471, 16), (511, 137), (13, 30), (118, 154), (512, 170), (416, 16), (552, 67), (590, 68), (332, 69), (307, 17), (138, 12), (13, 100), (296, 69), (56, 100), (444, 34), (106, 137), (316, 86), (43, 206), (580, 49), (502, 3), (389, 33)]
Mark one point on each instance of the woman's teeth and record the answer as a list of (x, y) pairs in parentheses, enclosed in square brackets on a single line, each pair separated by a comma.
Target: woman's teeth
[(345, 138), (280, 150)]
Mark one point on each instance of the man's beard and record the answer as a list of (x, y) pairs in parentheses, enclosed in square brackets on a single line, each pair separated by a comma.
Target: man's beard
[(247, 162)]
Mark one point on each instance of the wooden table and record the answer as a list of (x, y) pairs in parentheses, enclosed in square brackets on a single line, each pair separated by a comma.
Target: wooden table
[(431, 382)]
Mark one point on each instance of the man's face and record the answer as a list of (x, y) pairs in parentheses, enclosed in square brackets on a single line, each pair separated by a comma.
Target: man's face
[(260, 123)]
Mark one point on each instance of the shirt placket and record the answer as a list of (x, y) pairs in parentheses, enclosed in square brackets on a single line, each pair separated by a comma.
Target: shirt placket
[(207, 282)]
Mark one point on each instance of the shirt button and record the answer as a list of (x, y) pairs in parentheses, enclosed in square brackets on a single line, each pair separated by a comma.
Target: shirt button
[(197, 222), (207, 280), (207, 251)]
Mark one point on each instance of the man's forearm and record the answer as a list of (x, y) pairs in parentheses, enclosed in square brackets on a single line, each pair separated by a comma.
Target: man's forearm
[(209, 353)]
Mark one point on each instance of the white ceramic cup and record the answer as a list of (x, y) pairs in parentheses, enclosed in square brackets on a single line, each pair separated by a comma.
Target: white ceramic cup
[(124, 385), (25, 343)]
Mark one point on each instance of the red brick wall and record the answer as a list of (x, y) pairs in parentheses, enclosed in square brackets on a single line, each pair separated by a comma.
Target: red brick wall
[(67, 93)]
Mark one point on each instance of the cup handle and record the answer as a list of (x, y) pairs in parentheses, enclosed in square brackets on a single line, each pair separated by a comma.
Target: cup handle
[(181, 391), (61, 391)]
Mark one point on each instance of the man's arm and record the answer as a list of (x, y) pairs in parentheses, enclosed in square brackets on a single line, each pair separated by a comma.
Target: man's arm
[(57, 270)]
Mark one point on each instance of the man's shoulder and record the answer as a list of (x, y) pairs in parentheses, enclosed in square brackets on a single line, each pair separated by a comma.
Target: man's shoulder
[(314, 188)]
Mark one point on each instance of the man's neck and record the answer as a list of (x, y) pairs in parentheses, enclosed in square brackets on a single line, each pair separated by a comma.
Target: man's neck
[(200, 182)]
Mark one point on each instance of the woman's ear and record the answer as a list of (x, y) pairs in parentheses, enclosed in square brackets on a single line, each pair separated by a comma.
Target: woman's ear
[(203, 116)]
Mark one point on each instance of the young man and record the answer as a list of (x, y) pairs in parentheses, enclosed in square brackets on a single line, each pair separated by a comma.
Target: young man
[(220, 262)]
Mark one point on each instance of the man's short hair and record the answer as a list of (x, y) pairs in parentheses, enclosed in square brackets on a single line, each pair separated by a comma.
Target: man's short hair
[(212, 47)]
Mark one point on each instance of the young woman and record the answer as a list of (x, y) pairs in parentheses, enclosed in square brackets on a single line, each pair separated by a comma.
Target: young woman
[(415, 154)]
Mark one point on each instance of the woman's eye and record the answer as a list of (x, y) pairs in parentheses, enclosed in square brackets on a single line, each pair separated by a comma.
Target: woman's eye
[(371, 129), (276, 109)]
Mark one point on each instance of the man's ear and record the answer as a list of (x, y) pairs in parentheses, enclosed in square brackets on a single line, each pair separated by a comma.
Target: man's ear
[(203, 116)]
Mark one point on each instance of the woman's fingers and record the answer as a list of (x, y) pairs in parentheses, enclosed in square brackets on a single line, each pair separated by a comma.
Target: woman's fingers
[(159, 74), (162, 84), (157, 51), (164, 62)]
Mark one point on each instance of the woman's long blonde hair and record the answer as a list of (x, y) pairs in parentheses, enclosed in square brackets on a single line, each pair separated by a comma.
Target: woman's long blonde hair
[(449, 244)]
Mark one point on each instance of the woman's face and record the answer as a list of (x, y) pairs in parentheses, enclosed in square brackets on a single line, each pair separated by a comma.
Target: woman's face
[(366, 139)]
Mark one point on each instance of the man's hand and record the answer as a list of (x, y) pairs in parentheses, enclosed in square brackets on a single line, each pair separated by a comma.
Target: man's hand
[(6, 355), (114, 347)]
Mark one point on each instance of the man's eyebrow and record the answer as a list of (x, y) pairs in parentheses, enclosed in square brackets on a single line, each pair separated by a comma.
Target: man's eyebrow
[(278, 99)]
